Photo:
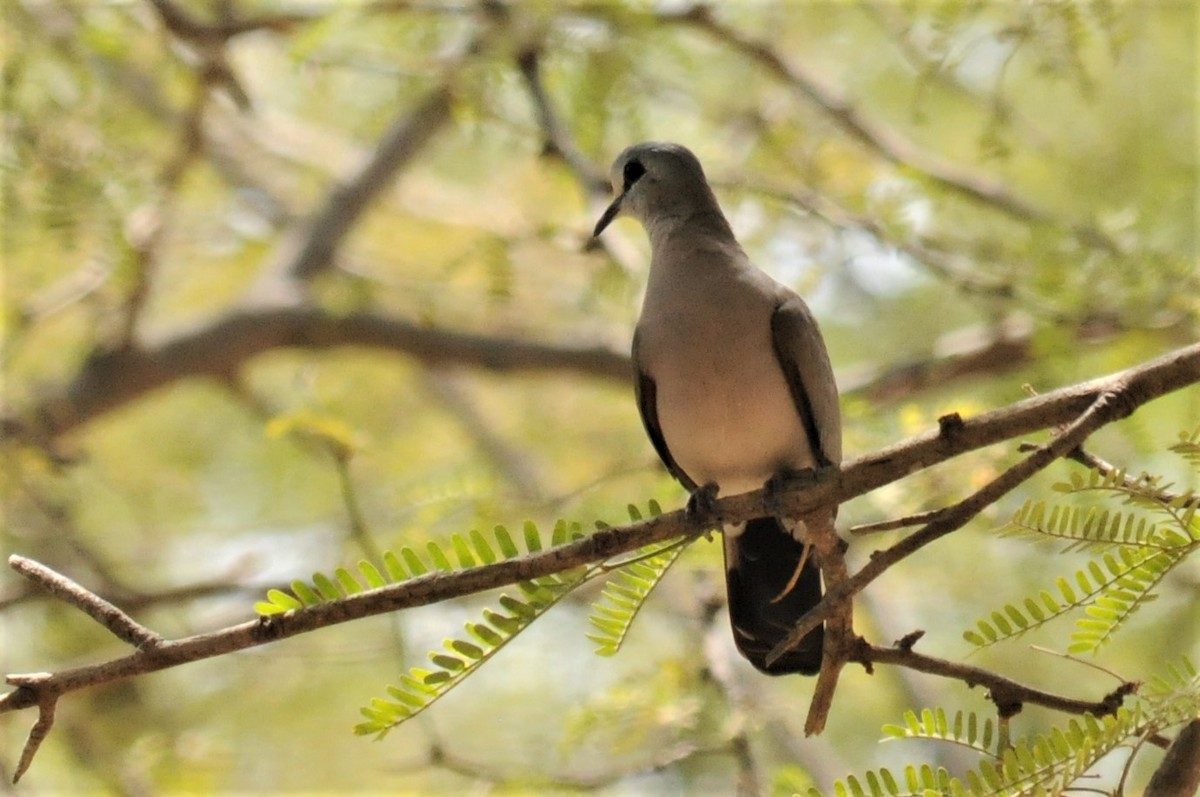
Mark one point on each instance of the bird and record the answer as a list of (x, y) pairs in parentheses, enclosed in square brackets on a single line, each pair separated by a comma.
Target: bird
[(735, 389)]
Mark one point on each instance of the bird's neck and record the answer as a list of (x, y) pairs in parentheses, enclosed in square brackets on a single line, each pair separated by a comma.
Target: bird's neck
[(691, 261), (702, 228)]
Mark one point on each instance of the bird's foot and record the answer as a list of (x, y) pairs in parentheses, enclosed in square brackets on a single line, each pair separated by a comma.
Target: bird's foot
[(702, 506), (782, 481), (787, 479)]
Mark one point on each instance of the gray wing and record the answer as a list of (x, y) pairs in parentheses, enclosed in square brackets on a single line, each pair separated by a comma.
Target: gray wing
[(645, 391), (805, 363)]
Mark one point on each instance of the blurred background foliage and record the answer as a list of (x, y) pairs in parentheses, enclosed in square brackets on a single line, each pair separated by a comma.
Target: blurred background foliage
[(1011, 186)]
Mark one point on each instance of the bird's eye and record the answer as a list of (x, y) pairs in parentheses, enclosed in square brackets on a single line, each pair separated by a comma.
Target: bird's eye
[(633, 171)]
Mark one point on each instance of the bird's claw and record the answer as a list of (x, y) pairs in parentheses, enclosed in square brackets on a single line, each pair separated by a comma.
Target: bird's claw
[(702, 506), (783, 480)]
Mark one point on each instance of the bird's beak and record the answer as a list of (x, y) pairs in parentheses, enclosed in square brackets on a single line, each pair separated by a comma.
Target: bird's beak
[(610, 213)]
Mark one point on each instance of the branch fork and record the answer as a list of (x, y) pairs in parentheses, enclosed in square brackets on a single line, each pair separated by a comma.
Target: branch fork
[(1084, 408)]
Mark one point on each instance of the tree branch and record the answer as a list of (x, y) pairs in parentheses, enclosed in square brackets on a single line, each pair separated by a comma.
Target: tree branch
[(310, 249), (1086, 406), (1179, 773), (556, 141), (982, 350), (1006, 694), (221, 348), (1104, 401), (116, 621), (110, 379), (406, 137)]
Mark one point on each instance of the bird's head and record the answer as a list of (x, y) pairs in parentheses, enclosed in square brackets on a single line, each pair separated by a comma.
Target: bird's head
[(657, 181)]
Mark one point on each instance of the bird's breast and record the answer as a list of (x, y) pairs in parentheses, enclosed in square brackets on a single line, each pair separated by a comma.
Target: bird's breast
[(723, 404)]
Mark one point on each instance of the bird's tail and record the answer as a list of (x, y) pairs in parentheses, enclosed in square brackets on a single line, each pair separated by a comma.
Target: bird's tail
[(768, 592)]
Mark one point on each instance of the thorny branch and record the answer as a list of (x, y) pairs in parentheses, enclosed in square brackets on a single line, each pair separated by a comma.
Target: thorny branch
[(1084, 407)]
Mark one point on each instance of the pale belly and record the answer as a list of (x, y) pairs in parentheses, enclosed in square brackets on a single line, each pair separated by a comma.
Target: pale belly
[(732, 421)]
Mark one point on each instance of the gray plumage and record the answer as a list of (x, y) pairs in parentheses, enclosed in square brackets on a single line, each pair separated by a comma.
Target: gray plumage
[(734, 387)]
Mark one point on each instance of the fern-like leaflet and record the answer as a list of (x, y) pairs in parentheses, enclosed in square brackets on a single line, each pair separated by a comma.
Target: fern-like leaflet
[(419, 688), (1134, 555), (1051, 764), (965, 729), (1045, 764), (461, 656), (627, 590), (1188, 448), (1173, 697)]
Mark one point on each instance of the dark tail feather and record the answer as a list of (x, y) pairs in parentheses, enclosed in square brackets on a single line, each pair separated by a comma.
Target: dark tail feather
[(759, 564)]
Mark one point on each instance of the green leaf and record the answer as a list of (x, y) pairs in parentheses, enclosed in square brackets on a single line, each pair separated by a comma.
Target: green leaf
[(283, 600), (517, 608), (413, 562), (501, 622), (484, 634), (374, 579), (465, 648), (305, 593), (346, 580), (561, 534), (462, 551), (438, 557), (627, 591), (326, 587), (533, 540), (504, 541), (418, 689), (449, 663), (406, 697), (483, 548), (394, 567)]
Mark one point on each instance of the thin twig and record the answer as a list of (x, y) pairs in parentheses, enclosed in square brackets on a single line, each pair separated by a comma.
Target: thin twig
[(38, 733), (514, 465), (908, 521), (311, 249), (1077, 660), (1004, 692), (1118, 399), (1090, 460), (1093, 404), (147, 226), (116, 621), (556, 141), (888, 143), (360, 529), (839, 629)]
